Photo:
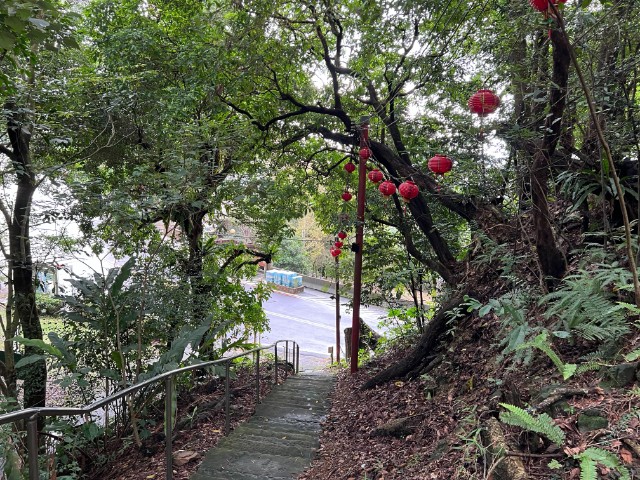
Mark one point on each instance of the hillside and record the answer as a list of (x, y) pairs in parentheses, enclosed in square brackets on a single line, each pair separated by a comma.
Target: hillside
[(448, 419)]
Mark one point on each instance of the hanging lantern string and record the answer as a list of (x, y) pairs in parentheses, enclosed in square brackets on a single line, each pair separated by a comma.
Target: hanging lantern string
[(482, 160), (483, 103)]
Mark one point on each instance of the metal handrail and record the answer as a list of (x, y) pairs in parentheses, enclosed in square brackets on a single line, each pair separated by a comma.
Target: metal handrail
[(31, 415)]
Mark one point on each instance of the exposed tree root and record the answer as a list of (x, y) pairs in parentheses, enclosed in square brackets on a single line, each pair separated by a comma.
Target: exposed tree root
[(413, 364)]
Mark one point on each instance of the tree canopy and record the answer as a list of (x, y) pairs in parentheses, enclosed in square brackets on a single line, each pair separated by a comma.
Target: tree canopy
[(158, 126)]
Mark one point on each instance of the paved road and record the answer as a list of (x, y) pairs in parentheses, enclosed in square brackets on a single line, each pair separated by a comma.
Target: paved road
[(309, 319)]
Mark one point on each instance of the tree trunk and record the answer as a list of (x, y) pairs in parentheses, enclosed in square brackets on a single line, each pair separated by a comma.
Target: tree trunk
[(21, 264), (8, 366), (412, 364), (552, 261)]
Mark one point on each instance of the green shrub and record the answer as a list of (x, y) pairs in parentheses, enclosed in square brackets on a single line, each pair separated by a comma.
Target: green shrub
[(48, 304)]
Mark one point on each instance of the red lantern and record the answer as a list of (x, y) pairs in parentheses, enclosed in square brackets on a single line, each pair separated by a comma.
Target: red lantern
[(484, 102), (543, 5), (342, 235), (387, 188), (365, 153), (346, 196), (335, 251), (540, 5), (350, 167), (440, 164), (375, 176), (408, 190), (338, 244)]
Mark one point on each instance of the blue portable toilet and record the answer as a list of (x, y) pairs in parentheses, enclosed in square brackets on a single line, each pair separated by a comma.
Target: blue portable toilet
[(288, 278), (269, 276)]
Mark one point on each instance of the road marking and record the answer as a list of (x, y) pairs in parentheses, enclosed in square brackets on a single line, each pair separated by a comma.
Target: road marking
[(300, 320)]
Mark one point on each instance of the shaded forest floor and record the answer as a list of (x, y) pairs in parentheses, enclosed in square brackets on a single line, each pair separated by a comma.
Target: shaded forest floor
[(203, 408), (430, 427), (426, 428), (436, 425)]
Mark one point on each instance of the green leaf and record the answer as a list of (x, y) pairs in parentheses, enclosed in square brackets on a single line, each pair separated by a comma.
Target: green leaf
[(593, 456), (15, 24), (632, 356), (123, 275), (7, 40), (605, 167), (542, 423), (568, 370), (39, 23), (554, 464), (62, 346), (118, 359), (29, 360), (91, 431), (588, 469), (41, 344)]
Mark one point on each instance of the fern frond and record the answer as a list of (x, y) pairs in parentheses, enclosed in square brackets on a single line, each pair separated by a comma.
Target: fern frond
[(585, 308), (615, 275), (632, 356), (625, 419), (593, 456), (541, 342), (587, 367), (542, 423), (568, 370), (587, 469), (593, 331)]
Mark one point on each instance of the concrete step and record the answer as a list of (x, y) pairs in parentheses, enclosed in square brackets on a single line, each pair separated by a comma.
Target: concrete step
[(234, 476), (309, 380), (283, 427), (277, 431), (302, 391), (279, 441), (297, 403), (302, 387), (271, 446), (286, 415), (225, 460)]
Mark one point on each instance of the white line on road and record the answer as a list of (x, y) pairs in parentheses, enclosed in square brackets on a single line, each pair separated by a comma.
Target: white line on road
[(300, 320)]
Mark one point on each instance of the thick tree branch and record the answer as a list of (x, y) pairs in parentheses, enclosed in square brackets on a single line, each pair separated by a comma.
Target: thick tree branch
[(238, 252), (459, 204), (7, 152), (337, 101), (417, 254)]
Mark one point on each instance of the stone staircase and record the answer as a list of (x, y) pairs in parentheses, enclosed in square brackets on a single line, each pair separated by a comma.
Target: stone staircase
[(280, 440)]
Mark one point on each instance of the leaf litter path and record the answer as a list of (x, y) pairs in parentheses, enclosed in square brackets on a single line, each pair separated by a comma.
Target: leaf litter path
[(280, 440)]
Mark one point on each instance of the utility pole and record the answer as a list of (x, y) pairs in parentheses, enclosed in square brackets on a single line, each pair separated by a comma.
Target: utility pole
[(337, 310), (357, 269)]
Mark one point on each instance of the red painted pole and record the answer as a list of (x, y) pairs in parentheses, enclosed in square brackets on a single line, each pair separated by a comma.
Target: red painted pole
[(337, 310), (357, 269)]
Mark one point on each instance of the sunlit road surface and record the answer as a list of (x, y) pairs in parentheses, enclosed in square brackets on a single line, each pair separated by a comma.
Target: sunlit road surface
[(309, 318)]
